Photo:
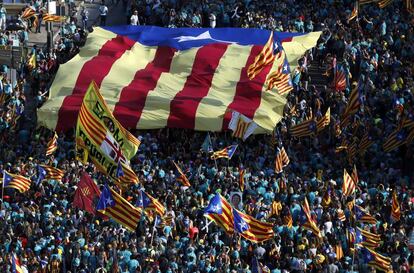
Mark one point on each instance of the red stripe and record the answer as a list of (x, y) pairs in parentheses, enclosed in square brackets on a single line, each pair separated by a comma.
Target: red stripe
[(95, 69), (185, 103), (248, 92), (129, 108)]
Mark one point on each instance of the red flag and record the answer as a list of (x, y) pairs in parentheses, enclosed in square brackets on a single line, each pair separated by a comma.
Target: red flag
[(85, 194)]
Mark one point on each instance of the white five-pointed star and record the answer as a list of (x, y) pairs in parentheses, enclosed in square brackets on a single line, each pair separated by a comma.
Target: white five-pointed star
[(243, 225), (285, 67), (109, 201), (203, 36), (215, 208)]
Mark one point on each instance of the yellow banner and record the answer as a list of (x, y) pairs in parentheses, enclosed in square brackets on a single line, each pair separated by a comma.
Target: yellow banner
[(94, 101)]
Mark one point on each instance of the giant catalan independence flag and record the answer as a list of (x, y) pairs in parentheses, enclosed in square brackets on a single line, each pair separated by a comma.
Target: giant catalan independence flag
[(193, 78)]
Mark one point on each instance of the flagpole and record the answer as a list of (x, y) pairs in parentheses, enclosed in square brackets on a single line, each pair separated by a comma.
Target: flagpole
[(2, 186), (153, 231), (353, 254)]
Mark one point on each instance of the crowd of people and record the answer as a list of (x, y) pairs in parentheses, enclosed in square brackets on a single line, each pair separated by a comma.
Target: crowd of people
[(48, 234)]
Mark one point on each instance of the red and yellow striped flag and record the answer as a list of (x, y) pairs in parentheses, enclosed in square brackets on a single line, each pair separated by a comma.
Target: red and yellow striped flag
[(197, 77), (53, 18), (339, 252), (281, 161), (182, 178), (384, 3), (52, 145), (287, 219), (149, 203), (115, 206), (15, 181), (252, 229), (395, 207), (264, 58), (242, 172), (348, 185), (28, 13), (354, 13), (53, 173), (220, 211)]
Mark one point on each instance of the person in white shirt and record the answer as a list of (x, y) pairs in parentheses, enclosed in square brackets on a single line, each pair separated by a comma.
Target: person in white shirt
[(134, 19), (212, 18), (103, 11), (3, 15)]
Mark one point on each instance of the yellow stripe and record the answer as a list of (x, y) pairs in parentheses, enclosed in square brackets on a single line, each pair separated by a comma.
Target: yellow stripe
[(129, 220), (129, 226), (222, 90), (123, 72), (157, 104), (297, 47), (67, 75)]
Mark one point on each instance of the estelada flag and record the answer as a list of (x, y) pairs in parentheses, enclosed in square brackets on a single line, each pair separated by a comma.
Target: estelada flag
[(155, 77), (86, 193)]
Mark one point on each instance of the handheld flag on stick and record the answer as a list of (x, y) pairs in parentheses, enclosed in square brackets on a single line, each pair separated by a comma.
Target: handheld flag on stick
[(366, 238), (149, 203), (207, 146), (242, 172), (85, 194), (375, 259), (307, 221), (220, 211), (98, 133), (115, 206), (15, 181), (395, 207), (182, 178), (15, 264), (339, 78), (241, 125), (348, 185), (363, 217), (384, 3), (311, 126), (354, 13), (281, 161), (227, 152), (251, 228), (52, 172), (53, 18), (52, 145)]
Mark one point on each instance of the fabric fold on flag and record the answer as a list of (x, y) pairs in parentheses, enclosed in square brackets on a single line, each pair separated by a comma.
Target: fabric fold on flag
[(348, 185), (241, 125), (282, 160), (395, 208), (116, 207), (250, 228), (363, 217), (15, 181), (311, 126), (182, 178), (86, 193), (52, 145), (375, 260), (149, 203), (227, 152), (198, 75), (101, 138), (52, 172)]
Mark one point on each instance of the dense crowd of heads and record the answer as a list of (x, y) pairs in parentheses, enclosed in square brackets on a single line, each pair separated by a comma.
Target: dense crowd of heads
[(376, 50)]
